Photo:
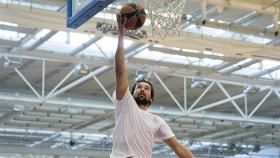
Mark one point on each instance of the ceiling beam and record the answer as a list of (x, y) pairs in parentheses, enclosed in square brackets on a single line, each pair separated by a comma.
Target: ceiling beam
[(96, 72), (19, 29), (9, 43), (72, 53), (245, 5), (107, 105), (32, 47), (56, 21), (95, 120), (189, 54), (239, 67), (41, 40), (181, 71), (7, 116), (53, 136), (4, 48), (227, 64), (264, 72), (184, 72), (55, 57)]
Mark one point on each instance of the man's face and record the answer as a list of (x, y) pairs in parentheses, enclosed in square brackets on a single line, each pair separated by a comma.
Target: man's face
[(142, 93)]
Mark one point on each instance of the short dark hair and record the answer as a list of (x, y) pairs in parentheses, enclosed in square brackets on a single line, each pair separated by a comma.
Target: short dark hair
[(143, 80)]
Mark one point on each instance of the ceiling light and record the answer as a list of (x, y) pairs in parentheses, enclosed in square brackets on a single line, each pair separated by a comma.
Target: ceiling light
[(250, 90), (18, 107), (12, 63), (142, 75), (82, 69), (199, 84), (139, 77)]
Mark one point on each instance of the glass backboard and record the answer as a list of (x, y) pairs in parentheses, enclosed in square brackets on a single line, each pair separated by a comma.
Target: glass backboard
[(80, 11)]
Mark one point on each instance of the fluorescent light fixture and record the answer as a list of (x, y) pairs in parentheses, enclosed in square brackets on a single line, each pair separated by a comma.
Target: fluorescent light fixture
[(12, 63), (251, 90), (142, 75), (139, 77), (199, 84), (18, 107), (82, 69)]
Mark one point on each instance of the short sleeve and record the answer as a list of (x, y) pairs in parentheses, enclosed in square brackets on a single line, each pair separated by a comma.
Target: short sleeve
[(125, 103), (125, 97), (164, 132)]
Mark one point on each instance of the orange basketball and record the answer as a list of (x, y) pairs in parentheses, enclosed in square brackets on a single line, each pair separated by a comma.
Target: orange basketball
[(135, 15)]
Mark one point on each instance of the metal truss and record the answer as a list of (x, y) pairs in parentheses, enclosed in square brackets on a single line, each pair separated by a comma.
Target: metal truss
[(52, 97), (202, 112)]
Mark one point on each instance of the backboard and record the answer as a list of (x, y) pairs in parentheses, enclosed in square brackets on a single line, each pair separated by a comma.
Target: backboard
[(80, 11)]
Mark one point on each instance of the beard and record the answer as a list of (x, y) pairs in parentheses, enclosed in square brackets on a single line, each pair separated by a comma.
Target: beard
[(142, 101)]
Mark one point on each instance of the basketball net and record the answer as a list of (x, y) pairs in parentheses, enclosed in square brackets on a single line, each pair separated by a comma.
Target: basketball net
[(165, 17)]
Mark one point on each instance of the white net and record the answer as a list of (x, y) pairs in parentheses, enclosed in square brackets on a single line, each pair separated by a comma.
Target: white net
[(165, 16)]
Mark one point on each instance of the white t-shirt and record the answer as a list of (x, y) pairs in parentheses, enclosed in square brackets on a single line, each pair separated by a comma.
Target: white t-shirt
[(136, 130)]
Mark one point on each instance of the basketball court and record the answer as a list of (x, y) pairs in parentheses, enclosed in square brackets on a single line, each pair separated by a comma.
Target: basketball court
[(214, 64)]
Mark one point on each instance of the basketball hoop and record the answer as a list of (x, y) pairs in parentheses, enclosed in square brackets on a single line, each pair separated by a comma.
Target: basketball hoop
[(165, 16)]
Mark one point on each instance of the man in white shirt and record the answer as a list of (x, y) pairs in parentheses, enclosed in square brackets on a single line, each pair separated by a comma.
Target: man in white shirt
[(135, 129)]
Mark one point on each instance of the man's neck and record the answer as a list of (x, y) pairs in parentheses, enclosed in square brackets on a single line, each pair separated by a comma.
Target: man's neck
[(143, 107)]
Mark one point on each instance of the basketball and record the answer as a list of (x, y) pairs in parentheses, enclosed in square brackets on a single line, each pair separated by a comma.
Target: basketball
[(135, 15)]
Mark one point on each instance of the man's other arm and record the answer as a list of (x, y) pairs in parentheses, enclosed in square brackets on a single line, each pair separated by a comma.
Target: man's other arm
[(179, 149)]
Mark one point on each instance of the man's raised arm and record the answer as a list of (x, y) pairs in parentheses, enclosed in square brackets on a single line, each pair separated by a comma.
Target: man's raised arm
[(121, 76)]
